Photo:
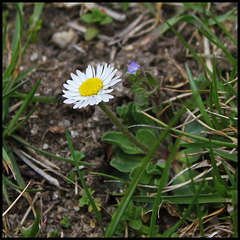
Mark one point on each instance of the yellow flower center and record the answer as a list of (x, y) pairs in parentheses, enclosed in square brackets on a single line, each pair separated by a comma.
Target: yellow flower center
[(90, 87)]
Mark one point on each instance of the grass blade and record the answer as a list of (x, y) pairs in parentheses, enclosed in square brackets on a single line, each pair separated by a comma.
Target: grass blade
[(43, 99), (4, 191), (24, 120), (197, 98), (162, 183), (18, 27), (223, 28), (213, 38), (49, 154), (18, 175), (22, 108), (190, 49), (4, 39), (188, 211), (95, 209), (5, 95), (202, 139), (184, 199)]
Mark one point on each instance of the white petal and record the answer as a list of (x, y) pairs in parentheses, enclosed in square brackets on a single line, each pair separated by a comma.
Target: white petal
[(75, 106), (73, 83), (89, 73), (108, 90), (93, 70), (106, 97), (71, 94), (105, 70), (75, 78), (69, 101), (74, 89), (114, 82), (99, 71), (81, 75), (109, 77)]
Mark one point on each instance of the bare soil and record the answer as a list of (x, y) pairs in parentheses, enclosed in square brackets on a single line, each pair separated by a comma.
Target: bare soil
[(46, 128)]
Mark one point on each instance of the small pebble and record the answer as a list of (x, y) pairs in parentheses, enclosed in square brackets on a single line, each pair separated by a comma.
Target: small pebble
[(76, 208), (55, 195), (45, 146), (63, 39), (34, 56)]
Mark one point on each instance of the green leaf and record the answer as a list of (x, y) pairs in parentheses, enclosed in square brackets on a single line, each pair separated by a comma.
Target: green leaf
[(154, 169), (91, 33), (181, 156), (195, 6), (145, 178), (146, 137), (106, 20), (131, 78), (187, 189), (32, 231), (87, 17), (65, 222), (151, 80), (141, 98), (228, 156), (195, 128), (78, 155), (125, 162), (118, 139), (135, 224), (83, 201)]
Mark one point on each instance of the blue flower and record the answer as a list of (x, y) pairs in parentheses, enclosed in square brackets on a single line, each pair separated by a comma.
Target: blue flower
[(134, 67)]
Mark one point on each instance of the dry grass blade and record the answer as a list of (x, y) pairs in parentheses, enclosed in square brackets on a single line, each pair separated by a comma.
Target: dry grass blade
[(29, 208), (134, 33), (181, 70), (16, 200), (195, 224), (221, 133), (119, 36), (44, 161), (206, 44), (178, 97), (35, 168)]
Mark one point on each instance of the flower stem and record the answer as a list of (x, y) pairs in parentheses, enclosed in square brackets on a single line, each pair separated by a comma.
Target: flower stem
[(122, 128)]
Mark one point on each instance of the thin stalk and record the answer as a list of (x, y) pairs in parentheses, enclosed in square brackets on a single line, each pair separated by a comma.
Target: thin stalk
[(122, 128)]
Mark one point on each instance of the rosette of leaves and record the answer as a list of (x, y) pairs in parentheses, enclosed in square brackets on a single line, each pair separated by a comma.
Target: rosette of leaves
[(126, 156)]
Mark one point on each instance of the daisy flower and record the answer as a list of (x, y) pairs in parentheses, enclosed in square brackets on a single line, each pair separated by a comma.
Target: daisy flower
[(90, 88), (134, 67)]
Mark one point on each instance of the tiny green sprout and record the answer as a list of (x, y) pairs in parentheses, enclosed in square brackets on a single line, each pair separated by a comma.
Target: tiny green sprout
[(96, 16), (65, 222), (85, 201)]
